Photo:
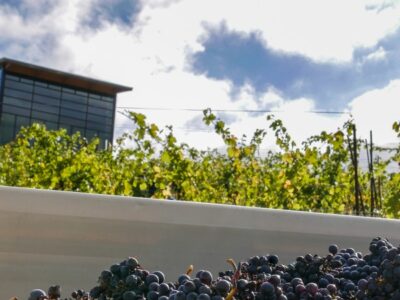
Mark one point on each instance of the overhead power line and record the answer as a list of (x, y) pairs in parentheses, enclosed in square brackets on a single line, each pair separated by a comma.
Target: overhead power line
[(121, 110), (186, 129), (230, 110)]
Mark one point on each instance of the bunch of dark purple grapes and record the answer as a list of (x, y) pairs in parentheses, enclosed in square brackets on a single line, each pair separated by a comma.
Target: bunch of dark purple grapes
[(341, 274), (344, 274)]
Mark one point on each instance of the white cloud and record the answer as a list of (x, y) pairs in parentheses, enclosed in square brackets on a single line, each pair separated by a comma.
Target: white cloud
[(377, 110), (297, 116), (33, 37), (321, 30), (151, 57)]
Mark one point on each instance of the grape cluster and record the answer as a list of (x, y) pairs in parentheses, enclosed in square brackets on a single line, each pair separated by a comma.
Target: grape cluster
[(341, 274)]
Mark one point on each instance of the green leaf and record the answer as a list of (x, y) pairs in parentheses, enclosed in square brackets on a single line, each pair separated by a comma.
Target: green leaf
[(143, 186), (165, 157), (153, 130)]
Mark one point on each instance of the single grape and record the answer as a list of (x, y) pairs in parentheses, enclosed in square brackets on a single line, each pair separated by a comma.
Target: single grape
[(189, 286), (152, 278), (160, 275), (267, 289), (333, 249), (132, 262), (192, 296), (129, 295), (203, 297), (206, 277), (223, 286)]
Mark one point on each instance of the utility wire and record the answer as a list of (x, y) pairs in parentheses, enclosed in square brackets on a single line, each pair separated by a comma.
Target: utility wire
[(229, 110), (186, 129), (122, 109), (176, 128)]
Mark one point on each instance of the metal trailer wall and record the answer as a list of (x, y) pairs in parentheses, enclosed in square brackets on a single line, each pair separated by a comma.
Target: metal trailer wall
[(66, 238)]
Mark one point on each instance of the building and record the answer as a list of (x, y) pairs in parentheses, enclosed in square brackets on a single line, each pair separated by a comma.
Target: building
[(30, 93)]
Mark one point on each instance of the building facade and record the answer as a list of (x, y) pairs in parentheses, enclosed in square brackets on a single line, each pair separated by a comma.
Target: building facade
[(30, 94)]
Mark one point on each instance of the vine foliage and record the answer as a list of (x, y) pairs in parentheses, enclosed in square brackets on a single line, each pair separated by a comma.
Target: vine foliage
[(150, 162)]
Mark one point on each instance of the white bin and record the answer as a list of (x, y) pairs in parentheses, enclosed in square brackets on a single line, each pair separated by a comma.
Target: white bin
[(51, 237)]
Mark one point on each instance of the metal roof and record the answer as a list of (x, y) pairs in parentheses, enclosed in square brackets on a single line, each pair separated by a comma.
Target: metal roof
[(62, 78)]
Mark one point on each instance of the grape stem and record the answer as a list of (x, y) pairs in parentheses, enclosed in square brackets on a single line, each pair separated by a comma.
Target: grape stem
[(231, 293), (189, 270), (232, 263)]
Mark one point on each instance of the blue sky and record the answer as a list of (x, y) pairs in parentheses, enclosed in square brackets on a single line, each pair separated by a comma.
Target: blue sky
[(285, 56), (28, 8), (121, 12)]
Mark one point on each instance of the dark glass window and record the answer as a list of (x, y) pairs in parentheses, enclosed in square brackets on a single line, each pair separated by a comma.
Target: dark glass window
[(21, 121), (91, 134), (44, 116), (101, 104), (71, 91), (1, 86), (98, 119), (24, 80), (65, 126), (74, 105), (99, 126), (39, 83), (82, 93), (16, 110), (47, 92), (18, 86), (7, 122), (94, 96), (26, 100), (104, 138), (45, 108), (71, 121), (51, 125), (54, 87), (74, 98), (8, 119), (17, 102), (100, 111), (81, 130), (109, 99), (73, 114), (37, 121), (17, 94), (11, 77), (46, 100)]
